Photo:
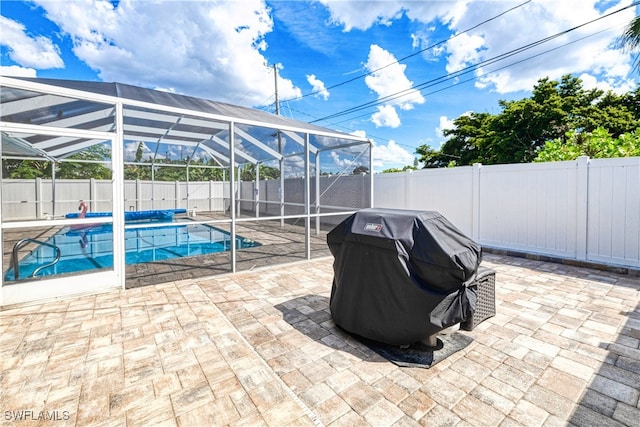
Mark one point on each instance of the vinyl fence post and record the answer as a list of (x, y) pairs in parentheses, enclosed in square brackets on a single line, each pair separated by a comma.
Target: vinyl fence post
[(211, 195), (93, 194), (138, 194), (475, 201), (408, 175), (176, 204), (39, 214), (582, 205)]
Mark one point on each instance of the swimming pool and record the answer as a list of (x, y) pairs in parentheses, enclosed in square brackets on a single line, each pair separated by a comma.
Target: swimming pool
[(92, 248)]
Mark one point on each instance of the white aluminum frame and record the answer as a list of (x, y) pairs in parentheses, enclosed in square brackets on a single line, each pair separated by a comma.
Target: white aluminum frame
[(115, 278), (43, 289)]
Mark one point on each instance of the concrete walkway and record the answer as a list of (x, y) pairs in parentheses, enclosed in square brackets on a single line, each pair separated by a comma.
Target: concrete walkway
[(259, 348)]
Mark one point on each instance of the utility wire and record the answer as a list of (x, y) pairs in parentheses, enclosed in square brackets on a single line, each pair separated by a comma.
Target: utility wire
[(339, 124), (487, 73), (413, 54), (458, 74), (468, 69), (436, 81), (346, 129)]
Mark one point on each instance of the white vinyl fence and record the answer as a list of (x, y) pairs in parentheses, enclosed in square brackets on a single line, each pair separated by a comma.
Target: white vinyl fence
[(586, 210), (336, 193), (26, 199)]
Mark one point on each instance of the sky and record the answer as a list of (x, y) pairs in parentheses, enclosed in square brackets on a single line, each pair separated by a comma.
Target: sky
[(397, 72)]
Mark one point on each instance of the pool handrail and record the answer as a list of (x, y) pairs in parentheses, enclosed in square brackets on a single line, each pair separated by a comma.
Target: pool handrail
[(14, 256)]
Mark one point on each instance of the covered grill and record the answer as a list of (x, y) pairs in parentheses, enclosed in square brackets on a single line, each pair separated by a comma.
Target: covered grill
[(401, 276)]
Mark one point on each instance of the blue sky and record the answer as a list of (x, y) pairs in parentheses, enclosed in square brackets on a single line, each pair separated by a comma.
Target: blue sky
[(394, 63)]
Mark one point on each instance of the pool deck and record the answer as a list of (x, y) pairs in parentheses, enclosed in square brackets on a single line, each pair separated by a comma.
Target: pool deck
[(278, 243), (260, 348)]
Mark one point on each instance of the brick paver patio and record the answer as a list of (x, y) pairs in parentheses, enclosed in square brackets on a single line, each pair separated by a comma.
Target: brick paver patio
[(259, 348)]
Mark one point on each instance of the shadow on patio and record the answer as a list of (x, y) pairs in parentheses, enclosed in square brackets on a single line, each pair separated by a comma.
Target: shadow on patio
[(260, 348)]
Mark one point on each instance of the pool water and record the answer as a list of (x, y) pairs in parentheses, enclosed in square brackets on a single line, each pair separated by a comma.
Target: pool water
[(92, 248)]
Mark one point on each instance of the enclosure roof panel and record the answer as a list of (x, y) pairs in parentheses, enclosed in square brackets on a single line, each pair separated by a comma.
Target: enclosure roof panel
[(149, 115)]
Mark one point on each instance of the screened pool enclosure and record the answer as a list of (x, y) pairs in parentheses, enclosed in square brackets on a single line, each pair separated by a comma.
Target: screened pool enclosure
[(106, 185)]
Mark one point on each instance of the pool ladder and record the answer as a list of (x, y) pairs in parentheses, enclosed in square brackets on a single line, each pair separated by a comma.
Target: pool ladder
[(19, 245)]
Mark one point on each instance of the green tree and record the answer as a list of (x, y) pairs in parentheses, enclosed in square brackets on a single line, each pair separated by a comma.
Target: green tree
[(248, 172), (405, 168), (26, 169), (170, 173), (30, 169), (522, 128), (597, 144), (358, 170), (137, 172), (464, 143), (81, 170), (630, 39), (68, 169), (139, 153)]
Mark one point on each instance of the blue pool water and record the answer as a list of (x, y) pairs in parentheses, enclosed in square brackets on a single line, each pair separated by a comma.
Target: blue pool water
[(92, 248)]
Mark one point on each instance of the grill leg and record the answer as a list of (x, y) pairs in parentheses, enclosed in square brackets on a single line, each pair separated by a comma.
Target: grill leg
[(450, 329), (431, 340)]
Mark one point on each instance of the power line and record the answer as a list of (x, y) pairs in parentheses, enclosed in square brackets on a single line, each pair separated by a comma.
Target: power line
[(468, 69), (487, 73), (338, 125), (413, 54)]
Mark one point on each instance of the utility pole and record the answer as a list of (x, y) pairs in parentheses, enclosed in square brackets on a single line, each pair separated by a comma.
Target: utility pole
[(275, 76), (281, 163)]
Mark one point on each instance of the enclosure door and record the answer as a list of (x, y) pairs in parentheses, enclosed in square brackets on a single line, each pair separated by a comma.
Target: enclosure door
[(30, 238)]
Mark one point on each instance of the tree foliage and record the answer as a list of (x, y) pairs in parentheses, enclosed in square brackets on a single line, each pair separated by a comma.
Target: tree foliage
[(87, 167), (26, 169), (405, 168), (630, 39), (82, 170), (173, 170), (597, 144), (522, 128), (91, 165), (462, 148), (359, 170), (248, 172)]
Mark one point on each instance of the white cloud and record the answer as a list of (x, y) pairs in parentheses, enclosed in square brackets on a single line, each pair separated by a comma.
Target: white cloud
[(390, 155), (318, 86), (165, 151), (445, 123), (464, 50), (131, 148), (591, 82), (361, 15), (342, 162), (209, 49), (16, 71), (345, 159), (587, 49), (388, 81), (388, 78), (360, 133), (386, 116), (422, 40), (306, 23), (27, 50)]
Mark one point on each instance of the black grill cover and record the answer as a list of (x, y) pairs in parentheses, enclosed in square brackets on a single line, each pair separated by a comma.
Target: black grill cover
[(400, 275)]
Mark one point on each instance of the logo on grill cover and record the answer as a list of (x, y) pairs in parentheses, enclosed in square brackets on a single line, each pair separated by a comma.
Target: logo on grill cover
[(373, 227)]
